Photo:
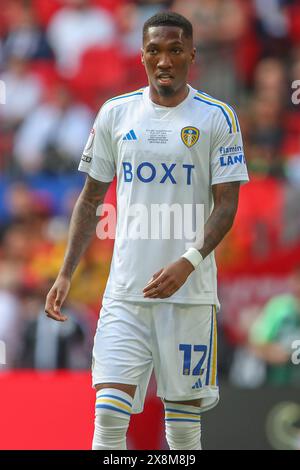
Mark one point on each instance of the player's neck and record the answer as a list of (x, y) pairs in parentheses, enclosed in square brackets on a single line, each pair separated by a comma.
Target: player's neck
[(169, 101)]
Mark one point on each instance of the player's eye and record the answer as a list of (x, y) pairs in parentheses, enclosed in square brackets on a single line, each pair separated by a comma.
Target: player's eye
[(152, 51), (177, 50)]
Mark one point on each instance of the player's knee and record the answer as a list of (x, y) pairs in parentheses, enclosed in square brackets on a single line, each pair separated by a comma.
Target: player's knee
[(183, 426), (112, 416)]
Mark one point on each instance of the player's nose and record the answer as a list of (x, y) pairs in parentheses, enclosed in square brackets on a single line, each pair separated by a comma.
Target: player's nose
[(164, 61)]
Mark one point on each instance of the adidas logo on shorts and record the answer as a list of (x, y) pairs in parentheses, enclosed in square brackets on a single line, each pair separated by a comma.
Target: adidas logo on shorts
[(198, 384)]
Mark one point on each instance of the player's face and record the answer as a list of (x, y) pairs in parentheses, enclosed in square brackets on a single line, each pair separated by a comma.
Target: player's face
[(167, 56)]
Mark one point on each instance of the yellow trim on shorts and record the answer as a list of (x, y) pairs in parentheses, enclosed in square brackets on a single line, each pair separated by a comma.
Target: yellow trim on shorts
[(182, 415), (111, 401), (214, 360)]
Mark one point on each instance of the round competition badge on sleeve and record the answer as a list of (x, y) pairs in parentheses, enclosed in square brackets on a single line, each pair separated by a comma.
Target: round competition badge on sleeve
[(190, 136)]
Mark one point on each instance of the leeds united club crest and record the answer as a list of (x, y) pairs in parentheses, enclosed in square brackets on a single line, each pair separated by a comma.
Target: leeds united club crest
[(189, 136)]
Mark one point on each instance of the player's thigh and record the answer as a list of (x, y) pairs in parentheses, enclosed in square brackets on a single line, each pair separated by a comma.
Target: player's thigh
[(129, 389), (185, 353), (122, 348)]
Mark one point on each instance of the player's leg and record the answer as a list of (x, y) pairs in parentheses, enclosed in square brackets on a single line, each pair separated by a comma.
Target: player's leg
[(183, 424), (126, 388), (185, 361), (122, 365), (112, 415)]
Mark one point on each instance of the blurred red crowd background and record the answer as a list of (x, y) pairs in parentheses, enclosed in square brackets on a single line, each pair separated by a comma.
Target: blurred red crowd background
[(60, 60)]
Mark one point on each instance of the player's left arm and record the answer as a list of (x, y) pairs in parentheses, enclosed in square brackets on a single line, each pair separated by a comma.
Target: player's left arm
[(168, 280), (226, 196)]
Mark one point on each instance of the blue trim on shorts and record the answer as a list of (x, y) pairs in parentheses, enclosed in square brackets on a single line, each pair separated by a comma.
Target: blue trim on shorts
[(180, 411), (109, 407), (116, 397), (210, 347)]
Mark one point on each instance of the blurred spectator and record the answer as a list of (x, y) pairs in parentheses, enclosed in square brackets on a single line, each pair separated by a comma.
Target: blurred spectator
[(273, 25), (292, 124), (27, 206), (76, 27), (25, 39), (23, 92), (131, 17), (270, 80), (265, 136), (273, 333), (27, 256), (45, 345), (28, 213), (17, 244), (219, 25), (10, 308), (52, 138)]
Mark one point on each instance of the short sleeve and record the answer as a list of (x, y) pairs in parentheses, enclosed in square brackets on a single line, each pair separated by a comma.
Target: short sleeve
[(97, 159), (227, 157)]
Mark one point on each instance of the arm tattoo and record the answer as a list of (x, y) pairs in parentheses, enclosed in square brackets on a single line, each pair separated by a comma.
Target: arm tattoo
[(83, 223), (221, 219)]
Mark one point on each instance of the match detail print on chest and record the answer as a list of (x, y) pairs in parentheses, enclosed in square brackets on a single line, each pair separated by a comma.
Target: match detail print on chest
[(159, 141)]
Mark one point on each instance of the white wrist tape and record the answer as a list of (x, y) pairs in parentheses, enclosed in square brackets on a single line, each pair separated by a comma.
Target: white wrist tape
[(193, 256)]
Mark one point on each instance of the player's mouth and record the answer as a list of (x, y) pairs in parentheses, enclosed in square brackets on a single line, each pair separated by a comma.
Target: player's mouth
[(165, 78)]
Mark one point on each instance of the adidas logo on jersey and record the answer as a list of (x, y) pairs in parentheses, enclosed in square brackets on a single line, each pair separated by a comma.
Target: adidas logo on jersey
[(130, 136), (198, 384)]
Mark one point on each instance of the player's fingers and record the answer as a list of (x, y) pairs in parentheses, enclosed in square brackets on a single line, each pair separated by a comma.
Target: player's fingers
[(52, 309), (155, 275), (50, 299), (158, 290), (151, 288), (55, 315), (167, 288), (155, 282), (165, 295), (60, 297), (157, 295), (152, 293), (152, 296)]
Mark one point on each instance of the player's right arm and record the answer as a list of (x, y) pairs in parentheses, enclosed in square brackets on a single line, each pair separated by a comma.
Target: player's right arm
[(82, 228)]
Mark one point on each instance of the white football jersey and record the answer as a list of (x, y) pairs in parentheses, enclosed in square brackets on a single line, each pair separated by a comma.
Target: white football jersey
[(166, 159)]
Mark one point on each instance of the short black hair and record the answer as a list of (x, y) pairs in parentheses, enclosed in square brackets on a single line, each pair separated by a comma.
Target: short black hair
[(169, 18)]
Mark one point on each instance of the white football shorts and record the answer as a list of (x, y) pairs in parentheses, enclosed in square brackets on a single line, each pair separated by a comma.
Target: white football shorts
[(178, 341)]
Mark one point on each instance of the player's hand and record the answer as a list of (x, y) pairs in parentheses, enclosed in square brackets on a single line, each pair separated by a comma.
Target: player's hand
[(56, 298), (168, 280), (276, 354)]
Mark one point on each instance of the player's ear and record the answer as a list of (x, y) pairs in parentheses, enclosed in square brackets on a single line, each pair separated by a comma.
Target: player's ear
[(142, 56)]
